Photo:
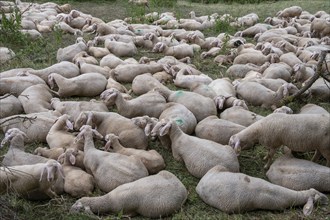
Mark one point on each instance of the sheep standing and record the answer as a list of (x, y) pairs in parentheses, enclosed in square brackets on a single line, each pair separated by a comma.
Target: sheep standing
[(299, 132), (151, 197), (237, 192), (199, 155), (110, 170)]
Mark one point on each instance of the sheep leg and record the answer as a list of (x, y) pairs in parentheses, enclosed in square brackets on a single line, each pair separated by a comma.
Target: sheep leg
[(316, 156), (269, 156)]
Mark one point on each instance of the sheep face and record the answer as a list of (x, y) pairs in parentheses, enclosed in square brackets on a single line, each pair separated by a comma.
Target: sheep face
[(109, 96), (79, 207), (80, 121), (10, 134), (52, 169), (235, 143)]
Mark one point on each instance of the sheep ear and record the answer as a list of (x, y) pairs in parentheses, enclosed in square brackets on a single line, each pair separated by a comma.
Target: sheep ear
[(60, 158), (69, 124), (107, 146), (285, 90), (97, 134), (308, 207), (60, 170), (42, 172), (72, 159), (147, 129), (237, 147), (164, 130), (219, 101)]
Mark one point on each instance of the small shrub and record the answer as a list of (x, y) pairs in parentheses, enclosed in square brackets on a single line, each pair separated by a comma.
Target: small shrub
[(10, 28)]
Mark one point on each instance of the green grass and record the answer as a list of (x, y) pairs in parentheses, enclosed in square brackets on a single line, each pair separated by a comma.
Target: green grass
[(42, 53)]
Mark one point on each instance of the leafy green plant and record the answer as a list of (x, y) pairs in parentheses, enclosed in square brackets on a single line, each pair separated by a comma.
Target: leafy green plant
[(10, 27)]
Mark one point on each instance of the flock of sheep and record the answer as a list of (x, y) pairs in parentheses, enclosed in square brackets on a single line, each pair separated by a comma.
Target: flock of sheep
[(134, 179)]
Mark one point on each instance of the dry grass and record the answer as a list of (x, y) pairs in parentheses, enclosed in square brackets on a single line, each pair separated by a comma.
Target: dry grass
[(42, 54)]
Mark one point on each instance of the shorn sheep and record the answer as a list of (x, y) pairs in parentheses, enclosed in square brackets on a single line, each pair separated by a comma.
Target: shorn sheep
[(237, 193), (199, 155), (154, 196), (110, 170), (299, 174), (299, 132), (34, 182)]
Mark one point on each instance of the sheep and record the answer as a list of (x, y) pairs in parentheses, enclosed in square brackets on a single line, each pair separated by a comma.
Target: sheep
[(284, 109), (17, 84), (33, 182), (6, 54), (192, 101), (299, 132), (259, 95), (16, 154), (312, 109), (240, 70), (257, 59), (111, 122), (120, 49), (278, 71), (272, 84), (126, 73), (253, 30), (181, 115), (320, 27), (36, 98), (151, 103), (293, 11), (10, 105), (83, 56), (151, 197), (240, 193), (225, 94), (151, 159), (290, 58), (144, 83), (302, 72), (199, 155), (180, 51), (73, 108), (216, 129), (184, 79), (92, 68), (58, 135), (239, 115), (109, 170), (68, 53), (299, 174), (88, 84), (52, 153), (64, 68), (320, 90), (34, 125), (77, 182), (32, 34)]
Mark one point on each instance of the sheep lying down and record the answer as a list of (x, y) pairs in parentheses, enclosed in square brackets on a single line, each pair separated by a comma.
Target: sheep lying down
[(153, 196), (34, 182), (237, 193)]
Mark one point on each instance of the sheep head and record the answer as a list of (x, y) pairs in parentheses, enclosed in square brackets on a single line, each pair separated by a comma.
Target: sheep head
[(11, 133), (109, 96), (159, 47), (220, 101), (235, 143), (161, 128), (110, 138), (86, 130), (312, 199), (52, 169), (78, 207)]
